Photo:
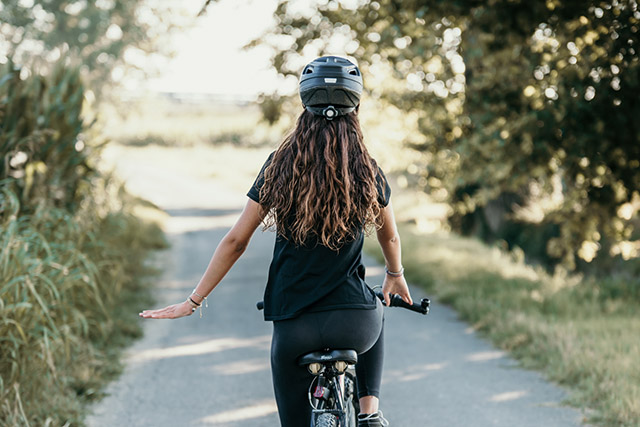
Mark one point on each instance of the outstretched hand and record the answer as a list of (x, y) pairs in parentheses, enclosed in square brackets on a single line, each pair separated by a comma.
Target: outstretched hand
[(395, 285), (170, 312)]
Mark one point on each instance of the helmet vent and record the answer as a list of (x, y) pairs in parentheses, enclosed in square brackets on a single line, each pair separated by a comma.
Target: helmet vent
[(353, 72), (309, 70)]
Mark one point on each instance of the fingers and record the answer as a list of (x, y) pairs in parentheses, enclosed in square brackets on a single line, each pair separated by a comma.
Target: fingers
[(151, 314), (387, 298), (397, 286), (163, 313), (406, 297), (404, 293), (386, 293), (170, 312)]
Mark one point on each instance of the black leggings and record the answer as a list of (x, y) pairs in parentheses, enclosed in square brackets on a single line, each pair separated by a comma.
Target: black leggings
[(356, 329)]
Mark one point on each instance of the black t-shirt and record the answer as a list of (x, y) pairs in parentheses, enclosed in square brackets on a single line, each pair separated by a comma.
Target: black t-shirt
[(313, 277)]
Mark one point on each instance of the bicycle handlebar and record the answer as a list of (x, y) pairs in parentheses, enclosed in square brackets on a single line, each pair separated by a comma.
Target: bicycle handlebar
[(396, 301)]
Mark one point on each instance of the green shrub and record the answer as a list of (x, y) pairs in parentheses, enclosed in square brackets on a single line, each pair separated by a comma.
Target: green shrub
[(64, 280), (72, 254), (42, 145)]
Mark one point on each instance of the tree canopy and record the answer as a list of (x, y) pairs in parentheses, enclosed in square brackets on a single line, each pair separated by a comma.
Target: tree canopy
[(100, 36), (527, 111)]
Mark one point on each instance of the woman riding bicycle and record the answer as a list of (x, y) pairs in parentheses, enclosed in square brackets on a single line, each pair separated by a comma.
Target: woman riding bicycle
[(322, 191)]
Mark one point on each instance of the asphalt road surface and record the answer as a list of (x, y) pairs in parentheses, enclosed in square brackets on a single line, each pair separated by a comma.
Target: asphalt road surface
[(214, 370)]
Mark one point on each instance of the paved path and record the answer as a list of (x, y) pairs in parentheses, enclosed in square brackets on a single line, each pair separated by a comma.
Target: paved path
[(215, 371)]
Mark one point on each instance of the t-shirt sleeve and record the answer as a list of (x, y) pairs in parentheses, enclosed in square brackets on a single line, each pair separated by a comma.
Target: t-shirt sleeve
[(384, 190), (254, 191)]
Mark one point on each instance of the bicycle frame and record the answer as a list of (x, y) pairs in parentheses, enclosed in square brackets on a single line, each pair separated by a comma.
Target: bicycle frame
[(332, 394)]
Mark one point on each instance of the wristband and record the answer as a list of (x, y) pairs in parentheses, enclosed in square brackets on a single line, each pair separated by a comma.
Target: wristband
[(394, 273)]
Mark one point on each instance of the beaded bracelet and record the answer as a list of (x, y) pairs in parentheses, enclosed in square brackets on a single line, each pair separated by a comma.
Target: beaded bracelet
[(394, 273)]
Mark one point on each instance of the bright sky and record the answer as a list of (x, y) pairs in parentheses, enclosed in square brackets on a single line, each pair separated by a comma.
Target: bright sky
[(210, 58)]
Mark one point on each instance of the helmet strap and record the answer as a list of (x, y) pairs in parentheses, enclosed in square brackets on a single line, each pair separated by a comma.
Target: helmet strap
[(330, 112)]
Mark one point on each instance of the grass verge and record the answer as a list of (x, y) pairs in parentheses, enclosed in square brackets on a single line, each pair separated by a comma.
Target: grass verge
[(71, 287), (582, 334)]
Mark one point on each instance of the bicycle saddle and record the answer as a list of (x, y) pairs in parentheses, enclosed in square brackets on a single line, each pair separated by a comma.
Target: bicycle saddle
[(349, 356)]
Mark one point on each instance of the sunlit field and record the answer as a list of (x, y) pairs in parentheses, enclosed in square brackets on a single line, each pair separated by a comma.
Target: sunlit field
[(230, 143), (221, 145)]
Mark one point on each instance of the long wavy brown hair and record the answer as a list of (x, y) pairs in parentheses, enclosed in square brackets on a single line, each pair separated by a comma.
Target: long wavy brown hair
[(321, 183)]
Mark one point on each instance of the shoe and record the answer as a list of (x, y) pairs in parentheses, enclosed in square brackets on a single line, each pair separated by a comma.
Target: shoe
[(372, 420)]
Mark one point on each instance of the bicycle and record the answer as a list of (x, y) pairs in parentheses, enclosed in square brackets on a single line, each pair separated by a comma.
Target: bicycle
[(332, 393)]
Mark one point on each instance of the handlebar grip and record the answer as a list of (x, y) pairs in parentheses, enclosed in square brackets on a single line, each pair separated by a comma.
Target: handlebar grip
[(421, 307), (396, 301)]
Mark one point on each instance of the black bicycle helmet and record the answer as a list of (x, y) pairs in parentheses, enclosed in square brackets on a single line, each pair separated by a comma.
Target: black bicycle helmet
[(330, 86)]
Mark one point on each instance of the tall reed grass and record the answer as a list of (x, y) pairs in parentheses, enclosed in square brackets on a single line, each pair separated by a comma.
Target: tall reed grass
[(72, 254), (65, 278), (43, 143)]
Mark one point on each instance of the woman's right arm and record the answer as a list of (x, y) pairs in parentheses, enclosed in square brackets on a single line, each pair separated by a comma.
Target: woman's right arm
[(389, 241), (226, 254)]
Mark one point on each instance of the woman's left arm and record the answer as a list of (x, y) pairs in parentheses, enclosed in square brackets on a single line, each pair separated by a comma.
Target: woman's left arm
[(232, 245)]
